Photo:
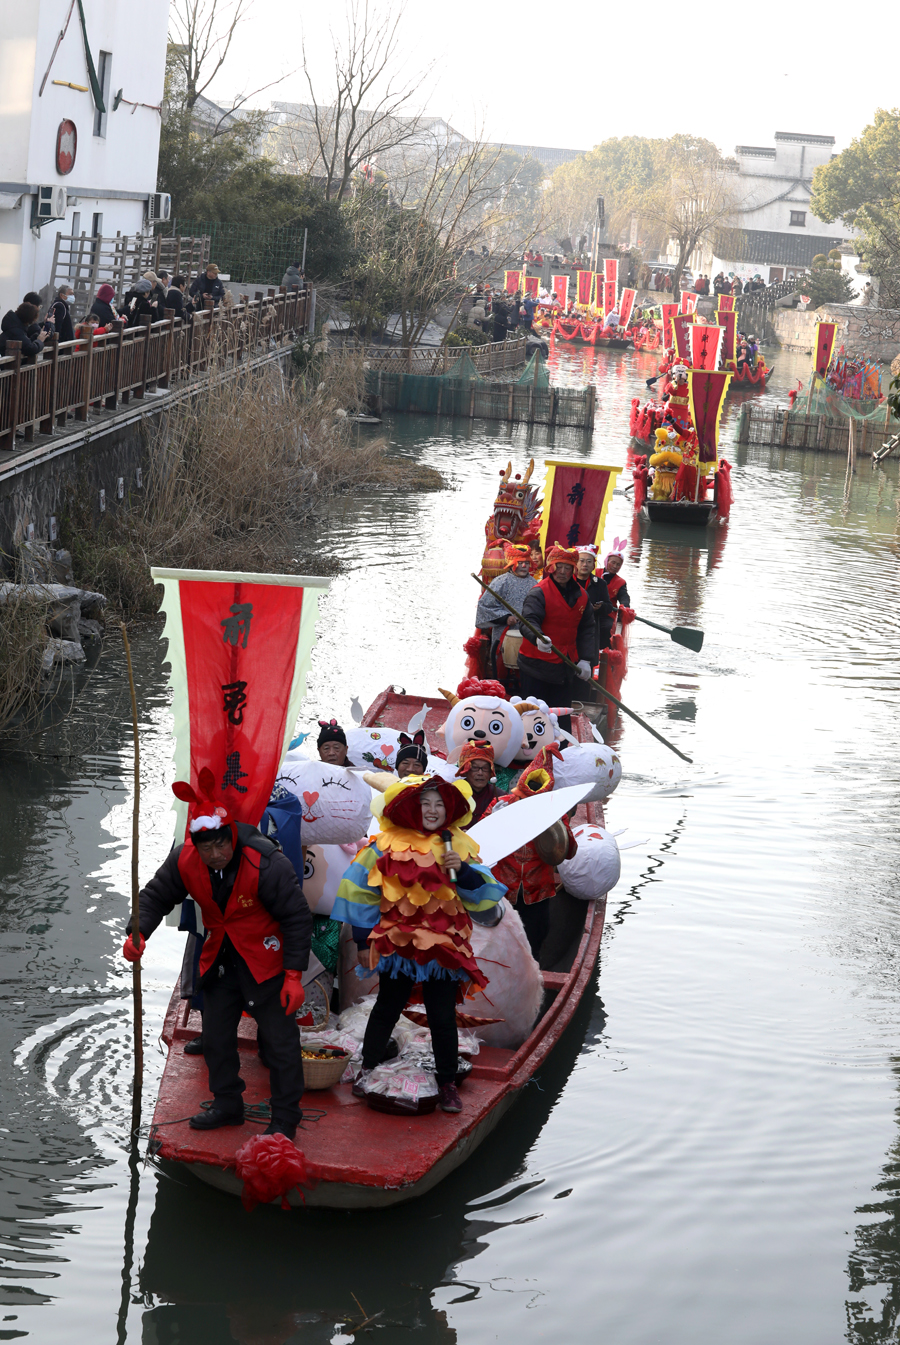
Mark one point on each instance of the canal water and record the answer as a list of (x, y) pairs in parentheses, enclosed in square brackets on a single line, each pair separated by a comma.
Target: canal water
[(711, 1153)]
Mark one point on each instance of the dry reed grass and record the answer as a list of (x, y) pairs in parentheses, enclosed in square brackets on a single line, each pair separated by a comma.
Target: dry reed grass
[(230, 475), (23, 637)]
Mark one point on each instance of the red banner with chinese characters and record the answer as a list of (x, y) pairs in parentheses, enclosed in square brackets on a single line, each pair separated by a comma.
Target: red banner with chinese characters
[(511, 281), (611, 270), (688, 301), (825, 337), (584, 284), (598, 291), (726, 303), (668, 313), (239, 649), (576, 497), (532, 285), (706, 343), (681, 325), (729, 322), (560, 287), (626, 304), (706, 392), (609, 296)]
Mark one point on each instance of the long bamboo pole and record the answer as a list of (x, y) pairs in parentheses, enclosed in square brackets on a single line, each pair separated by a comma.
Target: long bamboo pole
[(137, 1087), (560, 655)]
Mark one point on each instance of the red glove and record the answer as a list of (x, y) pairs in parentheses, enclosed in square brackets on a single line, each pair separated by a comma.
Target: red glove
[(292, 992), (131, 953), (626, 614)]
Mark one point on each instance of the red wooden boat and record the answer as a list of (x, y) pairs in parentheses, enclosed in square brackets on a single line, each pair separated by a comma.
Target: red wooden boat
[(358, 1157)]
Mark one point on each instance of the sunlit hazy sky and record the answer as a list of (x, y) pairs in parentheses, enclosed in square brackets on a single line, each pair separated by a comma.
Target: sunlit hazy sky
[(570, 75)]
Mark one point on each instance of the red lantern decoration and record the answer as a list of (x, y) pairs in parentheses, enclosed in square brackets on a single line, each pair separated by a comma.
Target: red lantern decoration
[(66, 147)]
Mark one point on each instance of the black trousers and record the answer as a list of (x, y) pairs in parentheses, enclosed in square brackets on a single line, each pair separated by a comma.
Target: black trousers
[(223, 1002), (440, 1006), (554, 693), (536, 920)]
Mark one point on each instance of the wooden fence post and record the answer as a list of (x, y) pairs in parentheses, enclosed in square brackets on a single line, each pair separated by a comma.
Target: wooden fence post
[(785, 426), (88, 362), (145, 357), (170, 341), (46, 425), (13, 348), (123, 394), (591, 402)]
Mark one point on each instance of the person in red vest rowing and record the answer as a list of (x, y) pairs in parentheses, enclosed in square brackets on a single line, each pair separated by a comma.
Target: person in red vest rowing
[(258, 929), (559, 608)]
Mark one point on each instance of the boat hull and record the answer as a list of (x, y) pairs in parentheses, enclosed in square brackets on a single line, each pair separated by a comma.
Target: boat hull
[(685, 513)]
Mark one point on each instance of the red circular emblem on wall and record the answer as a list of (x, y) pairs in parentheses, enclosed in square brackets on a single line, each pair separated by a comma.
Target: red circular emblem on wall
[(66, 145)]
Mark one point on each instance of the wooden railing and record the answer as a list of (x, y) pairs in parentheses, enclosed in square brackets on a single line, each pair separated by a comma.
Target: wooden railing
[(508, 354), (41, 393)]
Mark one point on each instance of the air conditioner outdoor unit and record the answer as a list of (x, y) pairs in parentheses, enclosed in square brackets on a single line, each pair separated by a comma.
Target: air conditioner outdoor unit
[(159, 206), (52, 202)]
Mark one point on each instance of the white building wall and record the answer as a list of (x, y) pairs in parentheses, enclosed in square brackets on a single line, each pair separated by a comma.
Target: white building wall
[(114, 172)]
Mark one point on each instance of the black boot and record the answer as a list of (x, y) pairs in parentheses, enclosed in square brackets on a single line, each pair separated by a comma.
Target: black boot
[(194, 1047), (211, 1118), (281, 1128)]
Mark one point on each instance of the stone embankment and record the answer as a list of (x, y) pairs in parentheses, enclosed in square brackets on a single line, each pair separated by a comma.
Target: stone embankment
[(73, 615)]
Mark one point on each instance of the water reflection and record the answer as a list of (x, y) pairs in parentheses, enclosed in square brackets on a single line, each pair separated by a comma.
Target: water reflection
[(874, 1263)]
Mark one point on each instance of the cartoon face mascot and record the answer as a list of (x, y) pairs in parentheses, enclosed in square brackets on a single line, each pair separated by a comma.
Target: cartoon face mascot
[(335, 802), (539, 727), (481, 713)]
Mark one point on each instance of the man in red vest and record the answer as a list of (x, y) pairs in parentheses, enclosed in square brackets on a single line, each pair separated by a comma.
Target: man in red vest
[(258, 929), (559, 608)]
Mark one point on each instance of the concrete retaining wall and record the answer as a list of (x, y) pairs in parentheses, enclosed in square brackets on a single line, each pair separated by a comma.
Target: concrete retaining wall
[(861, 330)]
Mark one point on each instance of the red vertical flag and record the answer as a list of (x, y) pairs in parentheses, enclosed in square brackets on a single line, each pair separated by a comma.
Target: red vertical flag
[(706, 343), (728, 321), (688, 301), (584, 284), (825, 338), (626, 304), (576, 497), (726, 303), (611, 271), (668, 313), (511, 281), (681, 327), (560, 287), (706, 392), (532, 285)]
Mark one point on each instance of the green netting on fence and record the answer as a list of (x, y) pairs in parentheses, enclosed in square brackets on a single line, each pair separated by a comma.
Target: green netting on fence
[(827, 401), (528, 377), (464, 367), (446, 394), (249, 253)]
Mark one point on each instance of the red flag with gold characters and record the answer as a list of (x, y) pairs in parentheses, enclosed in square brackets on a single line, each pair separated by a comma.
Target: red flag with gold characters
[(626, 304), (825, 338), (239, 650), (532, 285), (726, 303), (611, 270), (584, 284), (728, 321), (609, 296), (576, 498), (706, 344), (681, 327), (668, 313), (688, 301), (560, 287), (512, 281), (598, 291), (706, 393)]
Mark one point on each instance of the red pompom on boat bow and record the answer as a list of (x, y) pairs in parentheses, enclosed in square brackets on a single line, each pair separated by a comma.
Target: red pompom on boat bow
[(269, 1166), (481, 686)]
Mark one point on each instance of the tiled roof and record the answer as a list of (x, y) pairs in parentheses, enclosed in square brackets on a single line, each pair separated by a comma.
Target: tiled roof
[(549, 156), (760, 247)]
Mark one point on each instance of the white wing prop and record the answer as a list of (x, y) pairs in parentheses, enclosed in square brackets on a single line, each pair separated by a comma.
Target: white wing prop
[(356, 711), (502, 833), (418, 721)]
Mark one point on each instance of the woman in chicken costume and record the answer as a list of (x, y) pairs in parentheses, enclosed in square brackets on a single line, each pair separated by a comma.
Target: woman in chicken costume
[(407, 896)]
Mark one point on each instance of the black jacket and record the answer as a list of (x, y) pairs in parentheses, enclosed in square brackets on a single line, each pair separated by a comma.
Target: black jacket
[(175, 299), (598, 597), (104, 312), (279, 892), (291, 278), (203, 288), (622, 598), (62, 312), (12, 328), (140, 306)]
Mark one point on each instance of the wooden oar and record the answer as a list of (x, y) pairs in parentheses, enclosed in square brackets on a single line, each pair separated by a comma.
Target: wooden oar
[(137, 1087), (560, 655), (686, 635)]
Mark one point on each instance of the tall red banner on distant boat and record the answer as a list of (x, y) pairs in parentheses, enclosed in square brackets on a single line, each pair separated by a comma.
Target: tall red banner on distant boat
[(560, 287), (688, 301), (626, 304), (598, 291), (668, 313), (609, 297), (681, 326), (706, 392), (239, 649), (576, 498), (728, 321), (726, 303), (584, 285), (611, 270), (706, 343), (825, 337), (511, 281), (532, 285)]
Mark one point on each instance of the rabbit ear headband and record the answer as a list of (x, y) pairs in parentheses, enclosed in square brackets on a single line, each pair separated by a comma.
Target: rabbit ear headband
[(618, 546)]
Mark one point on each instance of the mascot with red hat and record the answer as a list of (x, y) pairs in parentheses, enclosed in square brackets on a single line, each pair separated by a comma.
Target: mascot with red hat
[(258, 929), (558, 607)]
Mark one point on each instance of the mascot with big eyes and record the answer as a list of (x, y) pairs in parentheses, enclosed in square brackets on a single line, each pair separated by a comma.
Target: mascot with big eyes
[(480, 712)]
